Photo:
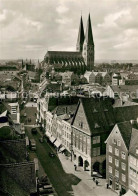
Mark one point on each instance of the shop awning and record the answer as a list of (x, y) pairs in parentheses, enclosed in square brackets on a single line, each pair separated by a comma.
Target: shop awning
[(57, 143), (129, 193), (52, 139), (48, 134), (62, 148)]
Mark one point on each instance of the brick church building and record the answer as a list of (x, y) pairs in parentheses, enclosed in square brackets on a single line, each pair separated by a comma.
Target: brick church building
[(82, 58)]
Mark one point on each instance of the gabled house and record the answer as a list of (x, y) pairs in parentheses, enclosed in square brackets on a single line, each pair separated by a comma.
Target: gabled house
[(90, 77), (91, 125), (97, 77), (117, 152), (133, 162), (125, 92)]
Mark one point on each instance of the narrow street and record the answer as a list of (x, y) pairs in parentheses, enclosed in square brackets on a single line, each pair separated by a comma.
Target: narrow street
[(64, 179), (61, 181)]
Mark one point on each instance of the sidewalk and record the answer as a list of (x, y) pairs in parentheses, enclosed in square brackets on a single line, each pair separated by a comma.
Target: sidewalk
[(86, 187)]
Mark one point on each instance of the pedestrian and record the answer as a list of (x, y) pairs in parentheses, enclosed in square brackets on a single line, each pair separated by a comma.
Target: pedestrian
[(107, 185), (75, 167), (97, 182), (94, 179)]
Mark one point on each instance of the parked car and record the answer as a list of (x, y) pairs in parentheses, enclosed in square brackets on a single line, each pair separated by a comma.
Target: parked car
[(34, 131), (51, 154), (32, 144), (41, 140)]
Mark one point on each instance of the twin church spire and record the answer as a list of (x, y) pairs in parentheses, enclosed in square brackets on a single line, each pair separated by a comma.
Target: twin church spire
[(81, 37), (85, 44)]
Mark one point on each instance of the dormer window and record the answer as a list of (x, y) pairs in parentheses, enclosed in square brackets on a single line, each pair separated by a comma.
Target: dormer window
[(81, 124), (114, 141), (105, 110), (95, 110), (96, 125)]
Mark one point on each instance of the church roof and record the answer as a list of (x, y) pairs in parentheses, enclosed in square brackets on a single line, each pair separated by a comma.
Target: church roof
[(63, 53)]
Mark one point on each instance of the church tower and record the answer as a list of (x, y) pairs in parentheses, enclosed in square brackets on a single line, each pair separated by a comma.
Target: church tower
[(80, 40), (88, 47)]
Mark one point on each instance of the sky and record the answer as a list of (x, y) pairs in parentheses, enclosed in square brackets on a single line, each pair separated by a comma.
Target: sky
[(28, 28)]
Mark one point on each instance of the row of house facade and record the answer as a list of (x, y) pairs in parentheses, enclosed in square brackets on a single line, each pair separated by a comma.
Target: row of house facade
[(103, 78), (82, 128)]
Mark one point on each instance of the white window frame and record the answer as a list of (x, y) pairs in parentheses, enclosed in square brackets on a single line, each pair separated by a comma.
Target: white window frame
[(110, 149), (110, 169), (116, 162), (117, 173), (116, 152), (123, 177), (123, 166), (123, 155), (110, 159), (118, 143)]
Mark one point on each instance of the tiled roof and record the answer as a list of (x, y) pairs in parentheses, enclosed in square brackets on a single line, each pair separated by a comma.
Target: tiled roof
[(134, 142), (64, 53), (120, 103), (102, 116), (125, 88), (126, 113), (65, 109), (125, 130), (99, 114)]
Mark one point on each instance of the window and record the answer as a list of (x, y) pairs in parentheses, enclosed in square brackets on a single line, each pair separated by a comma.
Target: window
[(118, 143), (96, 151), (131, 171), (96, 139), (123, 178), (81, 124), (110, 169), (110, 148), (96, 125), (116, 152), (116, 186), (134, 161), (132, 183), (114, 141), (116, 163), (117, 173), (123, 165), (123, 155), (110, 159), (131, 159)]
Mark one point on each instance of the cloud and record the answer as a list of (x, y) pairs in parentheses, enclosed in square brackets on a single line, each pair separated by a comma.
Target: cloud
[(61, 9), (29, 28)]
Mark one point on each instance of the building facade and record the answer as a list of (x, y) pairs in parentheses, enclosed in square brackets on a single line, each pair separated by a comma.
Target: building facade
[(133, 162), (117, 149), (89, 133)]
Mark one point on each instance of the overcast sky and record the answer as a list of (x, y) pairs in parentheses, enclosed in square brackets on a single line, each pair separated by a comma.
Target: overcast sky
[(28, 28)]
